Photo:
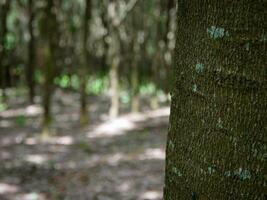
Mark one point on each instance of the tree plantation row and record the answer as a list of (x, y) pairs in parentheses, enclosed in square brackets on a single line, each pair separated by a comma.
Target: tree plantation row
[(88, 46)]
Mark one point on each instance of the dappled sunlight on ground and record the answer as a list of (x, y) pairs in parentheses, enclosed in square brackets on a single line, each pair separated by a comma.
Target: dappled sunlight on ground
[(119, 159), (150, 195), (36, 159), (8, 188), (28, 111), (60, 140), (126, 123)]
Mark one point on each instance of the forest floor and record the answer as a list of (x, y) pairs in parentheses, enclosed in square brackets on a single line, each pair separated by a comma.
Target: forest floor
[(119, 159)]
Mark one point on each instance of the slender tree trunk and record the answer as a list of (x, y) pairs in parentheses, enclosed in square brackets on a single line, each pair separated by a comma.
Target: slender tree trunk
[(114, 86), (113, 58), (169, 45), (84, 70), (105, 42), (31, 55), (158, 63), (216, 145), (48, 48), (154, 103), (135, 79), (3, 32)]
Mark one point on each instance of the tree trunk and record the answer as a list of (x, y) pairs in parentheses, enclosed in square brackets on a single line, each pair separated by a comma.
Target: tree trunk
[(84, 70), (154, 103), (114, 86), (135, 78), (3, 32), (31, 55), (113, 58), (104, 59), (216, 146), (48, 48)]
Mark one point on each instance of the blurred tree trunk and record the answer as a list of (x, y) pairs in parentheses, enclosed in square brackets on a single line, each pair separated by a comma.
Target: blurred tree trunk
[(4, 10), (113, 60), (216, 146), (137, 41), (169, 44), (105, 40), (135, 77), (31, 54), (84, 69), (170, 7), (49, 48), (114, 84), (158, 63)]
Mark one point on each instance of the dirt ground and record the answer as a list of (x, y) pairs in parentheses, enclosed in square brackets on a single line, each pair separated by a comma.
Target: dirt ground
[(119, 159)]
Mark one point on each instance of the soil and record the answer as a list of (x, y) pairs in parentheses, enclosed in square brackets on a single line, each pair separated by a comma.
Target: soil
[(111, 159)]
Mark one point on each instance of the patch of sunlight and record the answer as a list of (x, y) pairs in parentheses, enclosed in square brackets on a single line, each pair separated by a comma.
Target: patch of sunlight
[(115, 158), (112, 128), (33, 110), (32, 196), (31, 141), (121, 125), (163, 112), (29, 111), (125, 187), (156, 153), (4, 155), (63, 140), (151, 195), (9, 140), (5, 124), (8, 188), (36, 159)]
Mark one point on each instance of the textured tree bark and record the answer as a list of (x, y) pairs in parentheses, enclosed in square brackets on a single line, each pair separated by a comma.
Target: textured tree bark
[(3, 32), (84, 69), (31, 54), (217, 142)]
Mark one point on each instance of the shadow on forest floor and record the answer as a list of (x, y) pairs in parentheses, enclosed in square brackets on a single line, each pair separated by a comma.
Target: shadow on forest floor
[(120, 159)]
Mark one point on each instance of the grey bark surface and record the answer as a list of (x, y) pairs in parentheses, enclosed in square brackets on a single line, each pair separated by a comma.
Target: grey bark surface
[(217, 143)]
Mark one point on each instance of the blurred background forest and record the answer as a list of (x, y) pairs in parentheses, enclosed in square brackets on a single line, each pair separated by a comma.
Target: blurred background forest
[(84, 99)]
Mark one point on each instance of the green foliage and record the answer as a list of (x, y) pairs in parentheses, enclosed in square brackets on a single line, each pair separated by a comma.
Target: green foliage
[(98, 85), (3, 106), (147, 89), (51, 164), (125, 97), (63, 81), (75, 82), (21, 120), (10, 41), (38, 76)]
